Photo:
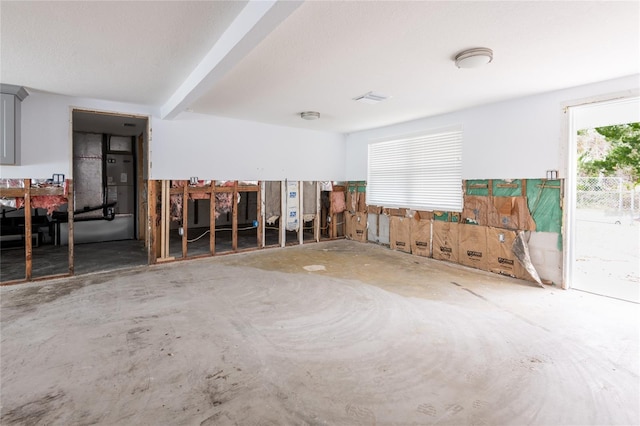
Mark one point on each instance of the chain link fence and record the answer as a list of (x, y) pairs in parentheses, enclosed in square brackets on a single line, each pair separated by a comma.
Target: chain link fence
[(611, 194)]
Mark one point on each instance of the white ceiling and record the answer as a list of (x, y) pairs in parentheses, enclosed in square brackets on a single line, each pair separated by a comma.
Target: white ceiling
[(263, 65), (129, 51)]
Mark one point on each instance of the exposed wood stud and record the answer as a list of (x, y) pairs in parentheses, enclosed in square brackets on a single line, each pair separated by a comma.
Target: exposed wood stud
[(14, 282), (212, 219), (300, 212), (185, 218), (163, 219), (318, 213), (50, 277), (234, 218), (477, 186), (19, 192), (151, 232), (167, 218), (158, 224), (28, 245), (490, 187), (324, 215), (283, 211), (163, 195)]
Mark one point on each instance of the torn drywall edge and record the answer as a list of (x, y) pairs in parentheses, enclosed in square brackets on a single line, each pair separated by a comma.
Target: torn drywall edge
[(521, 251)]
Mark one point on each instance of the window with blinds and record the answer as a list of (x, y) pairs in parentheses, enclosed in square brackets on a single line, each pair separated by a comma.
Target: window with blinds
[(421, 172)]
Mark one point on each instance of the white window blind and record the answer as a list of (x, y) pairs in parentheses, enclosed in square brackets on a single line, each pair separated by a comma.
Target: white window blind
[(421, 172)]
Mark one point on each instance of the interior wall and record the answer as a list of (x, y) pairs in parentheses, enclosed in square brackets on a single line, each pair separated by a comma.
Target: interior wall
[(218, 147), (46, 133), (191, 145), (521, 138)]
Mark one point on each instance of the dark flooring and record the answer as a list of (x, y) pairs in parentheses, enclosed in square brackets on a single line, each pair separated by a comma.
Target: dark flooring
[(54, 260), (199, 239), (49, 259)]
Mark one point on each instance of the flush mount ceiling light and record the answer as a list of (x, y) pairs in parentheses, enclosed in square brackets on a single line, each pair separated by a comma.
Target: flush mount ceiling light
[(310, 115), (473, 58), (370, 98)]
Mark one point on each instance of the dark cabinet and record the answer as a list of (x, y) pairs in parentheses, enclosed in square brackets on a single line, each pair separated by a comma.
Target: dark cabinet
[(10, 127)]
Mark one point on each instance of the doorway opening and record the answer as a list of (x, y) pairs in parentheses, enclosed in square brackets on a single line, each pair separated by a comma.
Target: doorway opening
[(110, 174), (604, 199)]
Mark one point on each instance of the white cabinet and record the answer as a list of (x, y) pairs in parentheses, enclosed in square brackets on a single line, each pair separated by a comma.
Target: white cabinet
[(11, 98)]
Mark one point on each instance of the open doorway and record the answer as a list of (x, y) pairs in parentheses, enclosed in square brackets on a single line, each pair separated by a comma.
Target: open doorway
[(110, 175), (604, 225)]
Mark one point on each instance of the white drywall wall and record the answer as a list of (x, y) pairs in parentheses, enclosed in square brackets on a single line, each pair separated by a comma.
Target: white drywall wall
[(221, 148), (192, 145), (46, 133), (521, 138), (497, 140)]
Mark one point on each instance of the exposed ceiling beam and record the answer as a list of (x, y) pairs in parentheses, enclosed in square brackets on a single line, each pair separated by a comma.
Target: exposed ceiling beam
[(257, 20)]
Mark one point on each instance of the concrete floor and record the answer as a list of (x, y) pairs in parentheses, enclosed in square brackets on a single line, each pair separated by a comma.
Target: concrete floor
[(376, 337)]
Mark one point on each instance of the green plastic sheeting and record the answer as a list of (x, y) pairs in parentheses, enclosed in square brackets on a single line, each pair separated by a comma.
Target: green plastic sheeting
[(441, 216), (543, 199), (477, 191), (360, 186), (499, 191), (445, 216)]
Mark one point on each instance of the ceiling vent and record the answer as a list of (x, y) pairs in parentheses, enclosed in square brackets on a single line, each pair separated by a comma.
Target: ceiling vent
[(129, 124), (371, 98)]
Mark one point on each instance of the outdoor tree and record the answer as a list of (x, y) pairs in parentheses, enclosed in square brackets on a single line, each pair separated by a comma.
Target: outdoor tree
[(620, 156)]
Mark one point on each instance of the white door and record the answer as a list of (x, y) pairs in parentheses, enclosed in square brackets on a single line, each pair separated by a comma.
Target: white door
[(603, 225)]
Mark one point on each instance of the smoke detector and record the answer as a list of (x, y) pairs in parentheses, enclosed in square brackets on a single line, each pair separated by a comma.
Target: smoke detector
[(370, 98)]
